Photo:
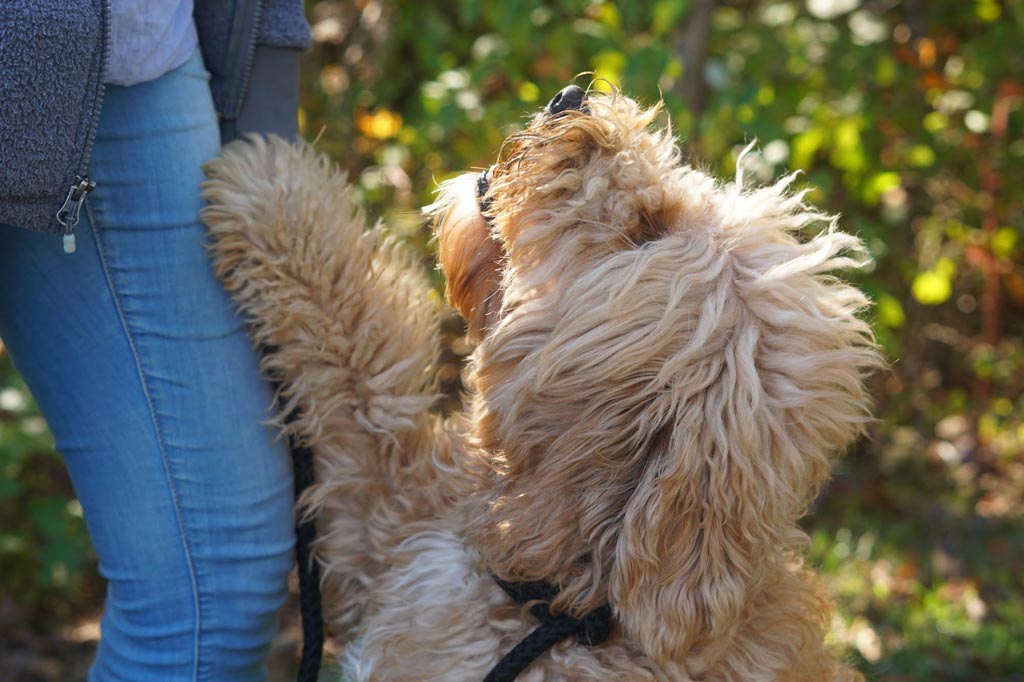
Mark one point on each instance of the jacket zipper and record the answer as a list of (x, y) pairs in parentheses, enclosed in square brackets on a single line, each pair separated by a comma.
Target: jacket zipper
[(245, 27), (247, 73), (70, 213), (71, 210)]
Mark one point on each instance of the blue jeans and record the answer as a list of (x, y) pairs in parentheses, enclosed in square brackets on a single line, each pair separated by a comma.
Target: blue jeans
[(146, 376)]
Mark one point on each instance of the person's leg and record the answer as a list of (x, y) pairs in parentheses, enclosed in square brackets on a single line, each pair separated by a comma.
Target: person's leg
[(150, 385)]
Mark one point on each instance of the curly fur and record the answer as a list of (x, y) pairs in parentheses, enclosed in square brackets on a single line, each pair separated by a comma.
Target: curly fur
[(664, 369)]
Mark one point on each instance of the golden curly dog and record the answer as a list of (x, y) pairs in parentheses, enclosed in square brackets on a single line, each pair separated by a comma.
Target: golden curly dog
[(664, 368)]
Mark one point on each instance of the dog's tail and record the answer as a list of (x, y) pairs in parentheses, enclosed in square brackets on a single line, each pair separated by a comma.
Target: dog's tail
[(347, 323)]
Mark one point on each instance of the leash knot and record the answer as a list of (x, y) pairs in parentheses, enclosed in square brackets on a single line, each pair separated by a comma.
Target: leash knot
[(590, 630)]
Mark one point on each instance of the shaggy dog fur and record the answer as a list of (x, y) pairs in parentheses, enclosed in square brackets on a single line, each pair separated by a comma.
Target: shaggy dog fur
[(664, 367)]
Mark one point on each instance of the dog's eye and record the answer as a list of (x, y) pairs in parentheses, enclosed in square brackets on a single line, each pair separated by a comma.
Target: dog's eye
[(483, 183)]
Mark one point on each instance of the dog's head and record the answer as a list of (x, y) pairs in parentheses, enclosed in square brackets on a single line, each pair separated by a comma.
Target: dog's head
[(664, 367)]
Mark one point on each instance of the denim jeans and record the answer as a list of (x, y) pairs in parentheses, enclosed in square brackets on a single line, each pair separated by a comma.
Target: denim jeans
[(146, 376)]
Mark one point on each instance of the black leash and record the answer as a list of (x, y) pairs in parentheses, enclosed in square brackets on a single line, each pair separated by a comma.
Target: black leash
[(590, 630), (309, 572)]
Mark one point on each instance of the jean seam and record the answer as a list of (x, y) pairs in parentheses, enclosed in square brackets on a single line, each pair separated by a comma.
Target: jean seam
[(156, 427)]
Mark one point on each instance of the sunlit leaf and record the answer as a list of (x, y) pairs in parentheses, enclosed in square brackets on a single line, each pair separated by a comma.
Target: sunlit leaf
[(921, 156), (987, 10), (847, 152), (931, 287), (665, 14), (608, 14), (889, 311), (879, 184), (886, 72), (946, 267), (379, 125), (765, 95), (935, 122), (529, 92), (1004, 241), (804, 147), (608, 66)]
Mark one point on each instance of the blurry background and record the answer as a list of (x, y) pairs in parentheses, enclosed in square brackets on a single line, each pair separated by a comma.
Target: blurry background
[(905, 115)]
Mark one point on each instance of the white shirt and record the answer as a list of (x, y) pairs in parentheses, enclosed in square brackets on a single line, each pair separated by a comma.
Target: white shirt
[(148, 38)]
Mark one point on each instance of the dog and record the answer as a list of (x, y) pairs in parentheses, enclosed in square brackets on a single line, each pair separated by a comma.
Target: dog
[(665, 365)]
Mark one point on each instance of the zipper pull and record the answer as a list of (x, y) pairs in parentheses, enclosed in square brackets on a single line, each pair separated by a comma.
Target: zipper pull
[(71, 211)]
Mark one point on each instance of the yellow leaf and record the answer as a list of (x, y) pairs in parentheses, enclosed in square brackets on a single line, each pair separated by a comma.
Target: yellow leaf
[(608, 14), (380, 125), (945, 267), (529, 92), (988, 10), (931, 287), (1003, 242), (608, 65)]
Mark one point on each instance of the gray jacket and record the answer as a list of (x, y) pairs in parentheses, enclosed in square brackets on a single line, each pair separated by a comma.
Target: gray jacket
[(52, 61)]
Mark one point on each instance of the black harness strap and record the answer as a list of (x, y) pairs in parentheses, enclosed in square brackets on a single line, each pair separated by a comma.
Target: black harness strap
[(590, 630)]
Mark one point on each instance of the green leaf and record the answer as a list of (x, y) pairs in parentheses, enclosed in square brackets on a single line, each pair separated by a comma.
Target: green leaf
[(921, 155), (886, 72), (889, 311), (608, 14), (1004, 241), (847, 151), (878, 184), (805, 146), (469, 10), (666, 14), (8, 488)]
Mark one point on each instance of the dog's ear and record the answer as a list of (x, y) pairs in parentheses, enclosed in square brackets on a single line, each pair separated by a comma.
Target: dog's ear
[(469, 256), (768, 384)]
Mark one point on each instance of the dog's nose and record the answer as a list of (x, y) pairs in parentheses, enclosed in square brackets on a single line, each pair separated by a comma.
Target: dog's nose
[(567, 98)]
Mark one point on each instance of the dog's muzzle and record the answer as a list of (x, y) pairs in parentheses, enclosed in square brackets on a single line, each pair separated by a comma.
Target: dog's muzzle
[(571, 98)]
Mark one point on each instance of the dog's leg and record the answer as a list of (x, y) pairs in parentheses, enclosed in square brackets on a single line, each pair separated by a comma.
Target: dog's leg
[(348, 324)]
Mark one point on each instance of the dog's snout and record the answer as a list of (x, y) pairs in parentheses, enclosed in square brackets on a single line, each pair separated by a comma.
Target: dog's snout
[(567, 98)]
